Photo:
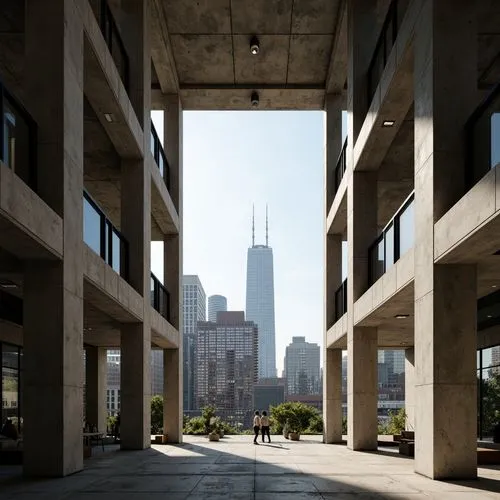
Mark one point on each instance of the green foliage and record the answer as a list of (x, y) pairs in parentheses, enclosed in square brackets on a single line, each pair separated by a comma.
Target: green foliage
[(195, 426), (490, 393), (110, 423), (156, 415), (344, 425), (396, 423), (208, 415), (315, 425), (298, 416)]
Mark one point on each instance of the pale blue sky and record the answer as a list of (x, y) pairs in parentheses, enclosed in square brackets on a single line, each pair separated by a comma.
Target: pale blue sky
[(235, 159)]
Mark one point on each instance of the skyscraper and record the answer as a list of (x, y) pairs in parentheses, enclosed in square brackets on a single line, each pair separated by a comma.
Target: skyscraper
[(226, 363), (216, 303), (302, 368), (260, 301), (194, 311)]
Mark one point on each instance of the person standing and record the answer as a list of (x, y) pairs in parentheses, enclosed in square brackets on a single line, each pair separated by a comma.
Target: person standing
[(256, 426), (264, 425)]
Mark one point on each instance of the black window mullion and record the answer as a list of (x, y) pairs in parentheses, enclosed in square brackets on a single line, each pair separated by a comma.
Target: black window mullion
[(103, 236), (2, 124)]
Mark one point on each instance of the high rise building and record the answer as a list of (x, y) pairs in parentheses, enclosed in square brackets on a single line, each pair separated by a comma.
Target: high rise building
[(260, 301), (216, 303), (194, 310), (226, 363), (302, 367)]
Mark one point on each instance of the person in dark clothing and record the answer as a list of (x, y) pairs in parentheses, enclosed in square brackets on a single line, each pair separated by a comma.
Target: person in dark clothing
[(264, 425), (9, 430), (256, 426)]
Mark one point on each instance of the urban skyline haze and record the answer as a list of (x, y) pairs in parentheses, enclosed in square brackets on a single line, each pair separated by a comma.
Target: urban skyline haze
[(233, 160)]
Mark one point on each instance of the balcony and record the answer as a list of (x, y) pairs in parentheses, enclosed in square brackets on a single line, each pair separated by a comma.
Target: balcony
[(340, 168), (103, 238), (159, 156), (483, 139), (341, 300), (113, 39), (19, 142), (385, 43), (160, 297), (396, 238)]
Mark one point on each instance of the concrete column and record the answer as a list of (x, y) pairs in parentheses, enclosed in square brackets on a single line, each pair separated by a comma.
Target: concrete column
[(445, 296), (410, 388), (172, 268), (95, 386), (362, 350), (362, 35), (172, 394), (135, 415), (332, 396), (334, 105), (53, 291)]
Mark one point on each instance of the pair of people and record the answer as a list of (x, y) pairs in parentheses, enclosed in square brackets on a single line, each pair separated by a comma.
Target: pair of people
[(261, 424)]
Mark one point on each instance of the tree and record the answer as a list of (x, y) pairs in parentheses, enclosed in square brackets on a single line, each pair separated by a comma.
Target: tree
[(297, 415), (156, 414)]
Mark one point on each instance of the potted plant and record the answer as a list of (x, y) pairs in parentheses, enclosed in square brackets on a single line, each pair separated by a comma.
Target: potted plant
[(213, 436), (295, 428)]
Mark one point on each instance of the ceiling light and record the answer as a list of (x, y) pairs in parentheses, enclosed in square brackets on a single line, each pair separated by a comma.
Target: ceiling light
[(388, 123), (493, 286), (109, 117), (254, 99), (403, 343), (254, 45), (489, 316), (8, 284), (402, 316)]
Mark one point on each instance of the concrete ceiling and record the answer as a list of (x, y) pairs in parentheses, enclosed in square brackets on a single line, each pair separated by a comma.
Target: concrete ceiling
[(208, 45)]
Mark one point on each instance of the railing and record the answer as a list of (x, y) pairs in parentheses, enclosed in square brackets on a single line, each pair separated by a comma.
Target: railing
[(483, 139), (383, 49), (159, 156), (341, 300), (341, 167), (104, 239), (113, 39), (19, 142), (396, 238), (160, 297)]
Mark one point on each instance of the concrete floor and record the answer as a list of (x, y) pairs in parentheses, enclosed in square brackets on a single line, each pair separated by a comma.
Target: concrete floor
[(235, 469)]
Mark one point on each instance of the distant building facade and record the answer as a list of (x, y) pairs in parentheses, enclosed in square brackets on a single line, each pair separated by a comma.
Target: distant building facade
[(269, 392), (302, 367), (226, 364), (194, 310), (216, 303)]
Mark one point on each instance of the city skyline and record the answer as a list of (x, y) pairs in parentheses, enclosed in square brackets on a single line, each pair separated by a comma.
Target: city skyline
[(265, 161)]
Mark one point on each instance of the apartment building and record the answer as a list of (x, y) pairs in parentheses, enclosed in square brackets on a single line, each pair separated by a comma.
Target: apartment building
[(412, 192), (302, 367), (86, 184)]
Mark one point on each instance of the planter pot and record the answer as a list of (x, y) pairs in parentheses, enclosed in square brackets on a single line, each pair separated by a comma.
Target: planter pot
[(164, 439), (213, 437), (294, 436)]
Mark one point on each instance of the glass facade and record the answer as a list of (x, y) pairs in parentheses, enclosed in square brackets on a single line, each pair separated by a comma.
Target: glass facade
[(488, 393), (11, 357)]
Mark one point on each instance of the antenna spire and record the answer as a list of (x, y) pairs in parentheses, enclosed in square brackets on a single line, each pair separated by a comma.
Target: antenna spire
[(253, 225), (267, 230)]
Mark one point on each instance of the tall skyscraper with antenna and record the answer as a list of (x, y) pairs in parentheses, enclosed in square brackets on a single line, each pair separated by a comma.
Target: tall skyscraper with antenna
[(260, 300)]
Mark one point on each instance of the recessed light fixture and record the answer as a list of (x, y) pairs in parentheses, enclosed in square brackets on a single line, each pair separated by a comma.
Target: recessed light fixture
[(109, 117), (254, 46), (489, 316), (7, 284), (402, 316), (403, 343), (493, 286), (254, 99), (388, 123)]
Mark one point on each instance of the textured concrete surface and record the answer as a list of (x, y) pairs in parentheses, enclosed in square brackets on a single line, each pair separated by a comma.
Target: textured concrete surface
[(236, 469)]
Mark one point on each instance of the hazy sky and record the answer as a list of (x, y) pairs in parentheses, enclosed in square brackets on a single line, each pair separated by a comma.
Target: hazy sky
[(231, 161)]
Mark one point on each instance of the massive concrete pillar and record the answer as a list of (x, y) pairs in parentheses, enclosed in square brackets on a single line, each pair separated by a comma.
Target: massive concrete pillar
[(95, 386), (445, 296), (410, 388), (53, 292), (332, 396), (362, 387), (135, 416), (172, 268)]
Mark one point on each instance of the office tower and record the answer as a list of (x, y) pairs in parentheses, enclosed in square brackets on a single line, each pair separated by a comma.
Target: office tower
[(269, 392), (302, 367), (226, 361), (194, 310), (260, 301), (216, 303)]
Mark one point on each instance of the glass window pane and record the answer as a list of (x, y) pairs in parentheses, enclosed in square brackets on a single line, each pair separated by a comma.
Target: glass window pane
[(389, 247), (10, 384), (116, 253), (495, 140), (491, 357), (152, 292), (91, 227), (107, 246), (153, 142), (377, 261), (490, 392), (161, 163), (407, 228), (9, 135)]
